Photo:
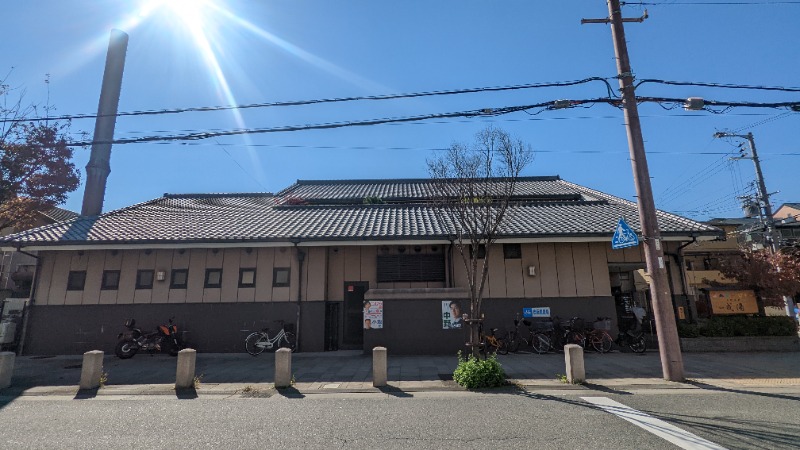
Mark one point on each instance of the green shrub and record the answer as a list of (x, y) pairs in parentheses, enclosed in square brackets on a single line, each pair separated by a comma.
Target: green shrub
[(686, 330), (476, 373), (740, 326)]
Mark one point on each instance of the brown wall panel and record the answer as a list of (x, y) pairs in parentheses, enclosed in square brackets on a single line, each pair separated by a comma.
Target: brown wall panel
[(584, 284), (515, 286), (548, 272), (266, 260), (614, 256), (163, 264), (94, 277), (197, 273), (566, 270), (530, 257), (315, 288), (600, 277), (335, 273), (230, 274), (44, 277), (127, 276), (496, 282)]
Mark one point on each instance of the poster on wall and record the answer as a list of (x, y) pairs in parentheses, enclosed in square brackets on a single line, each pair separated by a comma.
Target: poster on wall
[(373, 314), (452, 317)]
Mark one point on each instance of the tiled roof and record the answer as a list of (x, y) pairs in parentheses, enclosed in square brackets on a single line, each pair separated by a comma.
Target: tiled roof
[(59, 214), (414, 189), (261, 217)]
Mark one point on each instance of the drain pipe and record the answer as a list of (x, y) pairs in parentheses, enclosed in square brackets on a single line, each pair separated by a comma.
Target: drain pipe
[(678, 256), (301, 256), (31, 300), (450, 264)]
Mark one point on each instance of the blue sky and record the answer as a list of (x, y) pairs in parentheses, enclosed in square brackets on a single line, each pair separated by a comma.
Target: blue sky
[(273, 51)]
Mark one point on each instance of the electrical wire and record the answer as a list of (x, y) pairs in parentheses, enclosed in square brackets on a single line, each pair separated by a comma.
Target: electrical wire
[(718, 85), (610, 92), (484, 112)]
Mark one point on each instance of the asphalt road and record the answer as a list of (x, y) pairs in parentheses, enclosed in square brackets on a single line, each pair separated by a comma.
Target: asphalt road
[(544, 420)]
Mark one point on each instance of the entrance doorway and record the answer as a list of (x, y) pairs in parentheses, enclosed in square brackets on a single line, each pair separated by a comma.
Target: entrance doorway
[(353, 337)]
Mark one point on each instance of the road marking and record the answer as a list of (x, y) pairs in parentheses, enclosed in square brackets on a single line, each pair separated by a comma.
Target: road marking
[(664, 430)]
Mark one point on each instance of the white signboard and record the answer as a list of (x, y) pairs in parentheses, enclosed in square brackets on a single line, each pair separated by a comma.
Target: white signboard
[(542, 311), (373, 314)]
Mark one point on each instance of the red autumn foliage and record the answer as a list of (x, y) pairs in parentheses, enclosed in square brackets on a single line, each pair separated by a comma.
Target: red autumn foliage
[(771, 275)]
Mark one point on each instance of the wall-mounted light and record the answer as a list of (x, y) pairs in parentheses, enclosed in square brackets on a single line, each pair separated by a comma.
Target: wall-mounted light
[(161, 275), (532, 271)]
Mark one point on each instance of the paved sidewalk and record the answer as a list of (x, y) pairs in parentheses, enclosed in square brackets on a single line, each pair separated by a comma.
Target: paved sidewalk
[(350, 371)]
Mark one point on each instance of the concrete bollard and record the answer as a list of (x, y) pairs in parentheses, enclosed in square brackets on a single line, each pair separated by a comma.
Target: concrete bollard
[(283, 368), (379, 371), (6, 368), (184, 375), (576, 371), (92, 369)]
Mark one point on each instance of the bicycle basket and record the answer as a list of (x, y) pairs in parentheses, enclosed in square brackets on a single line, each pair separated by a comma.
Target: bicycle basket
[(604, 324), (542, 326), (577, 324)]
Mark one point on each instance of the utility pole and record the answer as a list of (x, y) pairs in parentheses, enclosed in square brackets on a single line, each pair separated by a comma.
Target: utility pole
[(668, 343), (765, 207), (772, 239)]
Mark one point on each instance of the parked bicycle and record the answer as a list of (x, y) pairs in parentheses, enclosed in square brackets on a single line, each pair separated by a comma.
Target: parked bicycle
[(633, 339), (541, 335), (259, 341), (598, 337), (492, 343), (516, 337)]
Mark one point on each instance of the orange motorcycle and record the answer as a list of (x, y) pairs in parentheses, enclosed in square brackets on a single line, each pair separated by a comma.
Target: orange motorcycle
[(164, 339)]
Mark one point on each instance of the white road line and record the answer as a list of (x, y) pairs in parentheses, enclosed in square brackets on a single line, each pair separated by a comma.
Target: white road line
[(664, 430)]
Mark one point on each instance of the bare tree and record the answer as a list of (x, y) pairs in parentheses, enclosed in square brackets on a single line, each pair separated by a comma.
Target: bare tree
[(474, 187)]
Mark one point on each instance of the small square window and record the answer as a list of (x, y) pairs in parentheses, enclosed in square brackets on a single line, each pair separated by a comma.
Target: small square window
[(247, 278), (280, 277), (179, 279), (213, 278), (110, 280), (512, 251), (76, 280), (144, 279)]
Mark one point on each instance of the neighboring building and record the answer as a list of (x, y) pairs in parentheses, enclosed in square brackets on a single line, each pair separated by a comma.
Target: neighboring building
[(16, 269), (787, 211), (227, 264)]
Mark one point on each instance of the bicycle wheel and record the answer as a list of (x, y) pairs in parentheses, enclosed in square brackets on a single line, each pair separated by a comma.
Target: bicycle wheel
[(541, 343), (516, 342), (289, 341), (637, 345), (251, 344), (502, 345), (602, 343)]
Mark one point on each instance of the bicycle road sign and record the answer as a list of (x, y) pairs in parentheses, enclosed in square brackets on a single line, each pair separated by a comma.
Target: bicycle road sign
[(624, 236)]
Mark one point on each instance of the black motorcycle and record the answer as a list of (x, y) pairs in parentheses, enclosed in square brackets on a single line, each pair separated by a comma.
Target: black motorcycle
[(164, 339)]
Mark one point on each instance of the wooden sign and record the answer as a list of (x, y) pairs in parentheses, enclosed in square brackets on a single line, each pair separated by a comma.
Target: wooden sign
[(733, 302)]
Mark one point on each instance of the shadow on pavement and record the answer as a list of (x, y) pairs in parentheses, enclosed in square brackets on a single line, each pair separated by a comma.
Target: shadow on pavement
[(394, 391), (186, 394), (742, 391), (290, 392), (86, 394)]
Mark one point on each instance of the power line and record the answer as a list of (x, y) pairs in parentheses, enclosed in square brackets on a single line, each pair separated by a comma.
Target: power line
[(718, 85), (333, 100), (714, 3), (485, 112)]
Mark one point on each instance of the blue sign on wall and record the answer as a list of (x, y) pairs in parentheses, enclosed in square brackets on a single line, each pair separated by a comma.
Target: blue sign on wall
[(543, 311)]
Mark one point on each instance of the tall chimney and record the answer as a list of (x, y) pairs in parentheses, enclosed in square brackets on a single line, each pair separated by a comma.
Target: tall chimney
[(98, 168)]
